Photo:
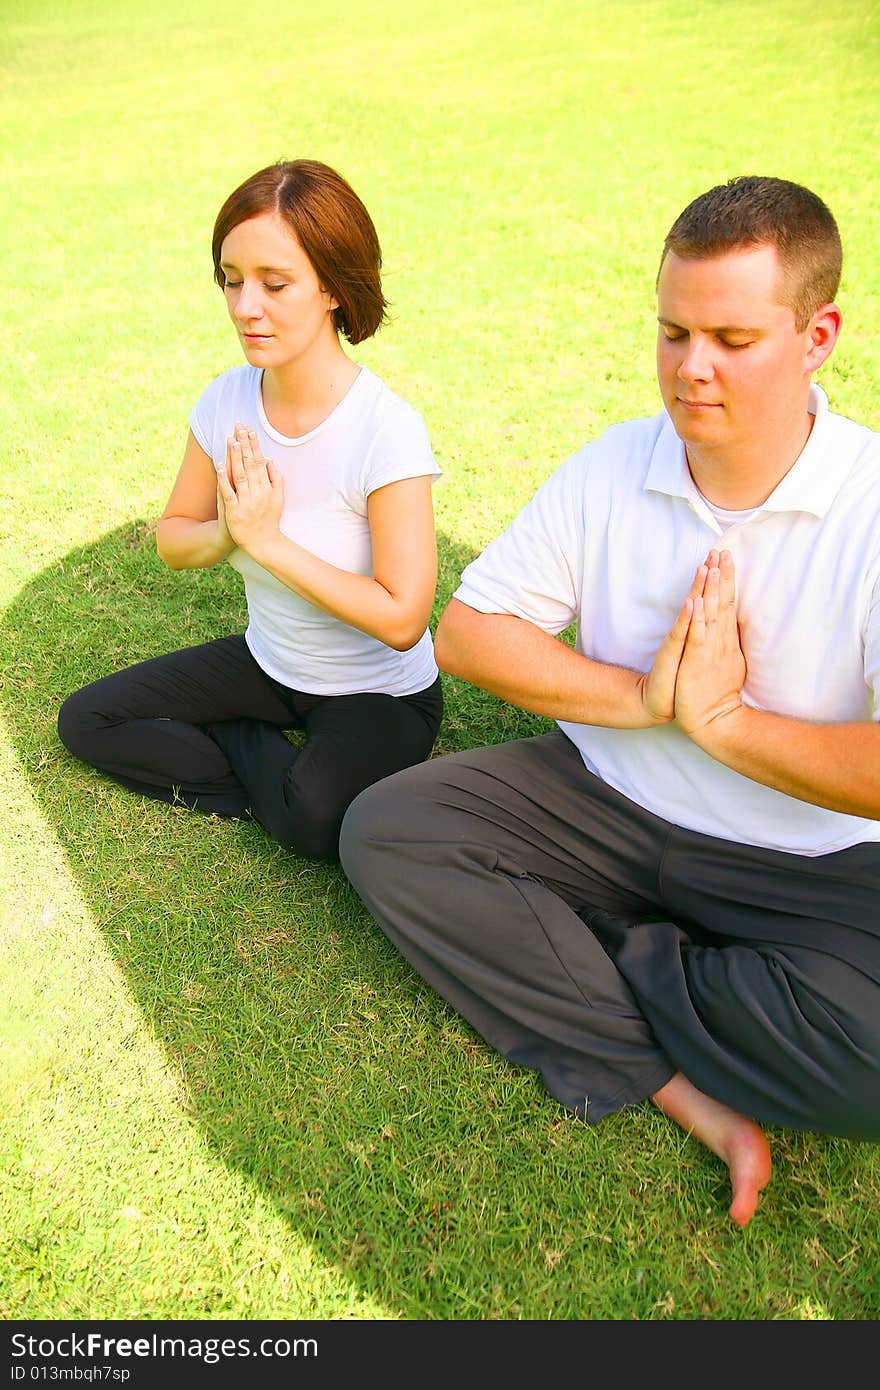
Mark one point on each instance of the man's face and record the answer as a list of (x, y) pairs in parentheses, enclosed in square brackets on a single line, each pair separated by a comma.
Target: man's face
[(732, 367)]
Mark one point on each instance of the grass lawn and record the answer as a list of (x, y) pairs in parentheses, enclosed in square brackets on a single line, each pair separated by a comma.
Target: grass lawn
[(224, 1095)]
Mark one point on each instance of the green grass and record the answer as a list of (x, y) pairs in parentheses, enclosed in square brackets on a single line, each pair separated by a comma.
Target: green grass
[(224, 1095)]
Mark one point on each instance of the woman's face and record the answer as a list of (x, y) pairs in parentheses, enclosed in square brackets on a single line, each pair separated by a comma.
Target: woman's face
[(273, 295)]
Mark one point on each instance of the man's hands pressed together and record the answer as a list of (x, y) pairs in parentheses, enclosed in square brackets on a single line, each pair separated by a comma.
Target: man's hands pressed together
[(698, 673), (713, 668)]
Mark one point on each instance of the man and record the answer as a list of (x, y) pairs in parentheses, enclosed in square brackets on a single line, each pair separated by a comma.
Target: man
[(674, 895)]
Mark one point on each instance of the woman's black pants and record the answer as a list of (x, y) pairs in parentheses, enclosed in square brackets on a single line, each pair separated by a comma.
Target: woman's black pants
[(204, 726)]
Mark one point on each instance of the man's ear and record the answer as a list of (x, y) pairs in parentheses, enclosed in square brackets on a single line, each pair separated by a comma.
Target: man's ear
[(823, 331)]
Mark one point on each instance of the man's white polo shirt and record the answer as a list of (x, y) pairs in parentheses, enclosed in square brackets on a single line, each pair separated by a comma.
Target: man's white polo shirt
[(613, 539)]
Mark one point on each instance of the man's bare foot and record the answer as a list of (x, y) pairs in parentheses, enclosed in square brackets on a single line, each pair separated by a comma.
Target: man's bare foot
[(733, 1137)]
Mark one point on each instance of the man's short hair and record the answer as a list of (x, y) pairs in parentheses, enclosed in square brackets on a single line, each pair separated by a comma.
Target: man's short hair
[(751, 211)]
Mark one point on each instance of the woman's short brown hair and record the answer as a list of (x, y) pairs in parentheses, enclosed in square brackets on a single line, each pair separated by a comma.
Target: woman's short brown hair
[(331, 225)]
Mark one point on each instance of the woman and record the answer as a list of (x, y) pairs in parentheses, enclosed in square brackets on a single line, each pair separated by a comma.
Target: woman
[(314, 480)]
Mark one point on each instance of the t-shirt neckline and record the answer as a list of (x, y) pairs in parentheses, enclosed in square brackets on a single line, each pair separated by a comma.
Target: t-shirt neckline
[(294, 440)]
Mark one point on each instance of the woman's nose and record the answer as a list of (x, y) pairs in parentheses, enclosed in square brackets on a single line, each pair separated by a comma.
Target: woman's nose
[(247, 305)]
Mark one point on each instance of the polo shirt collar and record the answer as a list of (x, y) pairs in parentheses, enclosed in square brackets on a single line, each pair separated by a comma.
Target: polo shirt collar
[(810, 485)]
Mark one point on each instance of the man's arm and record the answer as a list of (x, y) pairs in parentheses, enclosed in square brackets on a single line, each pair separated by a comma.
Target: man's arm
[(831, 765), (526, 666)]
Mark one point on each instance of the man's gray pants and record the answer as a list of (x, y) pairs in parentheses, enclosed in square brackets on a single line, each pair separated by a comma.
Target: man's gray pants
[(593, 941)]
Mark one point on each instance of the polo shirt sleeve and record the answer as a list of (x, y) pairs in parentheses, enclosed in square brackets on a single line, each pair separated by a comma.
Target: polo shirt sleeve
[(533, 569), (872, 652)]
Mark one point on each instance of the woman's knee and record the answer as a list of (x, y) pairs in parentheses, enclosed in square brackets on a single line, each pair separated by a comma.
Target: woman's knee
[(307, 825), (310, 834), (376, 818), (78, 721), (312, 826), (316, 802)]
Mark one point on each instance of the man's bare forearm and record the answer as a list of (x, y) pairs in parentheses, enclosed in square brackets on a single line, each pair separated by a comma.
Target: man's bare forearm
[(530, 668), (831, 765)]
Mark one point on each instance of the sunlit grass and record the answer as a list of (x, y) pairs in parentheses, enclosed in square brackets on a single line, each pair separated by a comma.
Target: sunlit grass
[(223, 1093)]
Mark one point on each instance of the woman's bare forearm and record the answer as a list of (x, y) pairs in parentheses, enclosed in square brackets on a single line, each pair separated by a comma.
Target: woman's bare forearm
[(184, 543)]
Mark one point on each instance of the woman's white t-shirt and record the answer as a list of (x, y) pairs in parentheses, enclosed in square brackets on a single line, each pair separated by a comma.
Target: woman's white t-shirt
[(371, 438)]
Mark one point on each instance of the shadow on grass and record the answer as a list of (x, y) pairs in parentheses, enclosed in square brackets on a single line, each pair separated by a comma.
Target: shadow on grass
[(445, 1183)]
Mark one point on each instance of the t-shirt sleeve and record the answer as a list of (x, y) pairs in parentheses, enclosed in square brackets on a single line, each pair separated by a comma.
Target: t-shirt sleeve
[(533, 569), (401, 449), (201, 418), (225, 399)]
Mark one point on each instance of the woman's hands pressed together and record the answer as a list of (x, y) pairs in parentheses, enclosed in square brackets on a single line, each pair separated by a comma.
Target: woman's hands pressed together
[(250, 493)]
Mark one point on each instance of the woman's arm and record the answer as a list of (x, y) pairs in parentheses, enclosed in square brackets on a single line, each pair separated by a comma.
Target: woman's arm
[(394, 604), (192, 532)]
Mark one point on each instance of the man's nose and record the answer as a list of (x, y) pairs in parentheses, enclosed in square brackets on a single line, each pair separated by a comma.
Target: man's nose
[(696, 363)]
